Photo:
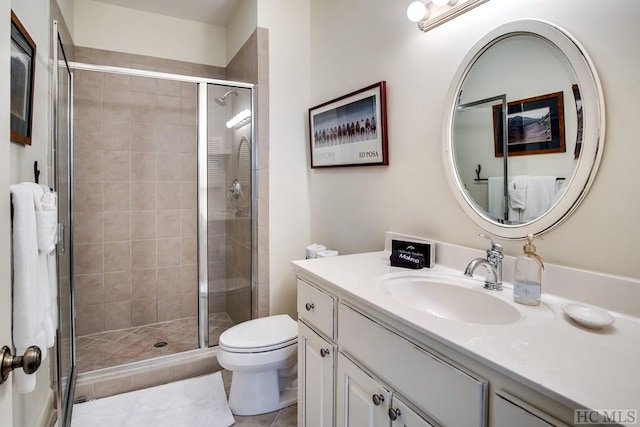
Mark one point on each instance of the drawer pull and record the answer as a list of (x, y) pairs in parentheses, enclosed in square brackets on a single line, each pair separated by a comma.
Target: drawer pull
[(394, 414), (324, 352), (309, 306), (377, 399)]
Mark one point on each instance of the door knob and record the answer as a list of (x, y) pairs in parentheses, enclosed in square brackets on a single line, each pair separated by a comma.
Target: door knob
[(324, 352), (29, 362)]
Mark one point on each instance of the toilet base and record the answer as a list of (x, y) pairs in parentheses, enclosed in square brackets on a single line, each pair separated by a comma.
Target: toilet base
[(254, 393)]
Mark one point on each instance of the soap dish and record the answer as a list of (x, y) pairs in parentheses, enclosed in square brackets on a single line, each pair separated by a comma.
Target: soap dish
[(588, 316)]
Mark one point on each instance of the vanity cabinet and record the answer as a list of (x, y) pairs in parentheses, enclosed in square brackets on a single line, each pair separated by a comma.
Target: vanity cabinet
[(359, 367)]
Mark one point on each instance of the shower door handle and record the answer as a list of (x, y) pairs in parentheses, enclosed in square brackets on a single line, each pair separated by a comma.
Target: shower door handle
[(61, 248)]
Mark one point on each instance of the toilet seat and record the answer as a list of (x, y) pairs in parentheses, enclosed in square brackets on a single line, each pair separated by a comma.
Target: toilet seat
[(260, 335)]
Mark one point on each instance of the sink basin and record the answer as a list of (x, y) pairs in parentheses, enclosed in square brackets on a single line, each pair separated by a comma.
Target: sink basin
[(449, 297)]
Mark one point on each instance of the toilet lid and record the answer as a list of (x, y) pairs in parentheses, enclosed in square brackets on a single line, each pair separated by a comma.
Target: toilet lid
[(265, 333)]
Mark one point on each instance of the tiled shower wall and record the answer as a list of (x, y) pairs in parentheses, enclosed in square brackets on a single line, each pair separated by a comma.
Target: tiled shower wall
[(135, 193)]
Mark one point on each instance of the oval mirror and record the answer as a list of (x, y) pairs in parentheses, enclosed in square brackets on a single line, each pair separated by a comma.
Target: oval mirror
[(523, 134)]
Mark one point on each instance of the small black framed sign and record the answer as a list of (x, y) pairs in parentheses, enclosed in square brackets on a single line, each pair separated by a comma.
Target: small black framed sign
[(350, 130), (23, 67)]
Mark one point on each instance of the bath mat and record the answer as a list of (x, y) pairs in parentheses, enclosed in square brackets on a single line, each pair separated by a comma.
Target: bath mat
[(195, 402)]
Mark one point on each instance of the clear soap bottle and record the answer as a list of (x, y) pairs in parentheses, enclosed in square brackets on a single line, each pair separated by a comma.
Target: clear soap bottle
[(527, 281)]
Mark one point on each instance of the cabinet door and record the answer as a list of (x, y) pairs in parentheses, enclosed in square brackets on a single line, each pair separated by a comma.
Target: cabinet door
[(509, 411), (403, 415), (362, 401), (316, 358)]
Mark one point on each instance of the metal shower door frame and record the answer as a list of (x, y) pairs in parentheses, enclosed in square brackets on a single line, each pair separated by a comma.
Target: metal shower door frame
[(202, 129)]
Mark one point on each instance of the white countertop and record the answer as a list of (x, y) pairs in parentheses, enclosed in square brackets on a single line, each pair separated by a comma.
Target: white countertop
[(545, 349)]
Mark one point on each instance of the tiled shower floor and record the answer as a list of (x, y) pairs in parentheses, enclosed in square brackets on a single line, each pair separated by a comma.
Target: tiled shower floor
[(112, 348)]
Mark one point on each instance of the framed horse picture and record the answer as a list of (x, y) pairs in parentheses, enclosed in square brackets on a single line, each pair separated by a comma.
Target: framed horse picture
[(350, 130), (23, 67)]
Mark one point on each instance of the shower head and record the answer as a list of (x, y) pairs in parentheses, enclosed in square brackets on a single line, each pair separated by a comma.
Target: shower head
[(221, 99)]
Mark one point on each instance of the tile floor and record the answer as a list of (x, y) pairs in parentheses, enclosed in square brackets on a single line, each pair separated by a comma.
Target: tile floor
[(112, 348), (285, 417)]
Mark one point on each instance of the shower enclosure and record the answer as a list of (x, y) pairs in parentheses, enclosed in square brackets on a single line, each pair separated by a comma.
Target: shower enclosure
[(163, 188)]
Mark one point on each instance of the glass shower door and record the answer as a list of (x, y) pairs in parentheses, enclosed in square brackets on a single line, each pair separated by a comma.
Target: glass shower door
[(229, 207), (66, 373)]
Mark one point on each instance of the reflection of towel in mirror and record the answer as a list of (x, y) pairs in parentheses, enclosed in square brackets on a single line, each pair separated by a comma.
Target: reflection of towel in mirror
[(541, 192), (496, 195), (561, 186), (518, 192)]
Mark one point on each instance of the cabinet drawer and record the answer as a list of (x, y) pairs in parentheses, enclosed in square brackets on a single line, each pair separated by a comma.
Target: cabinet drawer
[(316, 308), (510, 411), (450, 395)]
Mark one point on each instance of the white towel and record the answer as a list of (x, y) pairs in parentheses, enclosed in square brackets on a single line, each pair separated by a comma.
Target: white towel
[(46, 207), (518, 192), (47, 221), (32, 312), (541, 192), (49, 205)]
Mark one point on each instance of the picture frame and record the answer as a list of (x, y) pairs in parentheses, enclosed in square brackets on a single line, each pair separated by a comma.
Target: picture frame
[(536, 126), (333, 137), (23, 67), (580, 118)]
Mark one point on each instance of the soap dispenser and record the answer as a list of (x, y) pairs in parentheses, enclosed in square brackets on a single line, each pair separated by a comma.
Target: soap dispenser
[(527, 281)]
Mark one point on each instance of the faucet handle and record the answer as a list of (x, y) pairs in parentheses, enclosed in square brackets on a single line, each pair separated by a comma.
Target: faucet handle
[(495, 247)]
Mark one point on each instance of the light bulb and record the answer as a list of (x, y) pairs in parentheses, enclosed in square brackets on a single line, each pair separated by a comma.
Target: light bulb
[(417, 11)]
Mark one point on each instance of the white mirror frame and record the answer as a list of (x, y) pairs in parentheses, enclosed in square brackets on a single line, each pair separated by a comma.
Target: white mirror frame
[(593, 128)]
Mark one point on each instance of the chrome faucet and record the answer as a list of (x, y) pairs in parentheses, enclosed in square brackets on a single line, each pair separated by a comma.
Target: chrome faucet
[(492, 264)]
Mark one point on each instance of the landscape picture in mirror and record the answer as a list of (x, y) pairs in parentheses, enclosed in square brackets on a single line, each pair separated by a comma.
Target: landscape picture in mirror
[(523, 135), (535, 126)]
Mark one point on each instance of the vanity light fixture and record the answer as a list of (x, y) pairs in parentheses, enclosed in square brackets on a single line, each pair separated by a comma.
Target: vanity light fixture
[(436, 12), (444, 2), (240, 119)]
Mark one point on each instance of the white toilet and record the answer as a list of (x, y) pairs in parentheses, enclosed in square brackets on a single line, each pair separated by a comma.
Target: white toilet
[(263, 356)]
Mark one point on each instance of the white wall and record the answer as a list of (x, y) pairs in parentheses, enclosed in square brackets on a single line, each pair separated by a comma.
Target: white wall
[(104, 26), (371, 40), (34, 15), (241, 26), (67, 8), (288, 25), (28, 409)]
